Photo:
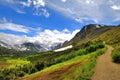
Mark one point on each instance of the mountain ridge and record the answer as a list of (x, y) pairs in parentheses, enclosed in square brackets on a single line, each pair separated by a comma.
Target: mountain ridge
[(87, 33)]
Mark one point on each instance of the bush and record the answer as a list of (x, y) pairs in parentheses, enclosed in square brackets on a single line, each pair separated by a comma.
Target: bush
[(21, 74), (116, 56), (39, 66)]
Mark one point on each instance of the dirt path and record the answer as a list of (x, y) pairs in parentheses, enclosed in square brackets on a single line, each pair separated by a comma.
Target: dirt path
[(54, 74), (105, 69)]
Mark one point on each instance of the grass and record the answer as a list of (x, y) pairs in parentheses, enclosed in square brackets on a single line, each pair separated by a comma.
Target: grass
[(4, 65), (7, 62), (78, 68), (17, 62), (112, 37)]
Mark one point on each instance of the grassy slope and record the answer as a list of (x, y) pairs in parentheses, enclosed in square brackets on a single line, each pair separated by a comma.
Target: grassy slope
[(7, 62), (85, 36), (80, 67), (112, 37)]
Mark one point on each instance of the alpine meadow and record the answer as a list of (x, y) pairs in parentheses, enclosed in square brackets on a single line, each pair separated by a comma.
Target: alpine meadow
[(59, 40)]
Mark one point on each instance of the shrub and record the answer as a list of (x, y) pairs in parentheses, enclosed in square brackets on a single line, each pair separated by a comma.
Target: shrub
[(39, 66), (116, 56), (21, 74)]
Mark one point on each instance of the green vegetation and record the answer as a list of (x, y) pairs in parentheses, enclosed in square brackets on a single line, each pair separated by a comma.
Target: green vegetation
[(77, 68), (17, 62), (116, 56), (86, 69), (88, 33), (76, 63), (41, 61), (112, 37), (5, 52)]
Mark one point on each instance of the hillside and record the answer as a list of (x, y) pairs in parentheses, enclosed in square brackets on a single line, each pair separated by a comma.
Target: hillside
[(87, 33), (112, 37), (5, 52), (46, 60), (108, 34), (78, 58)]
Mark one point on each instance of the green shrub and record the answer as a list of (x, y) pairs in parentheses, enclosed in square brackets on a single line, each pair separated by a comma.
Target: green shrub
[(21, 74), (116, 56)]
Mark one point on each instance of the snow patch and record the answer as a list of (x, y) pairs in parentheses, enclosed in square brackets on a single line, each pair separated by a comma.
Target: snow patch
[(64, 48), (97, 26)]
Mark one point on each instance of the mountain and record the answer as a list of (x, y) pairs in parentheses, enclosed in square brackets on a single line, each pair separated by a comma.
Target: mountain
[(87, 33), (112, 36), (3, 44), (26, 43), (31, 46)]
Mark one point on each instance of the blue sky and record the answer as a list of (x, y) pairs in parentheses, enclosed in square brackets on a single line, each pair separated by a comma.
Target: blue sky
[(28, 17), (36, 18)]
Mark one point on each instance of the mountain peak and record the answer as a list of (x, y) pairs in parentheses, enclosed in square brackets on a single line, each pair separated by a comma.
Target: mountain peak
[(87, 33), (90, 27)]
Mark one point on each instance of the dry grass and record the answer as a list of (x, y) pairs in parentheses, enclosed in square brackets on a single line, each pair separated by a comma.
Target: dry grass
[(4, 64)]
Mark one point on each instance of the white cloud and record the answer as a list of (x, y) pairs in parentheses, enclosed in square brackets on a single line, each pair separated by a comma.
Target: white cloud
[(45, 13), (14, 27), (63, 0), (66, 31), (12, 39), (5, 25), (46, 37), (14, 4), (115, 7), (20, 11), (19, 5), (87, 10), (42, 11), (80, 10), (38, 3), (50, 37), (89, 1), (38, 6), (27, 4), (35, 3)]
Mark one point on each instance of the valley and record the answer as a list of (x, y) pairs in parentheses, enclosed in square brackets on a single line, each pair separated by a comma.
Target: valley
[(59, 39), (78, 61)]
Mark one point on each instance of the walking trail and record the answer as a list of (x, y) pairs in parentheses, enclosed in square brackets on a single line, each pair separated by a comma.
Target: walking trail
[(105, 69)]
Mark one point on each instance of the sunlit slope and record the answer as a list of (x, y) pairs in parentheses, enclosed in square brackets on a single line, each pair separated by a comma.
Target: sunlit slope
[(88, 33), (78, 68)]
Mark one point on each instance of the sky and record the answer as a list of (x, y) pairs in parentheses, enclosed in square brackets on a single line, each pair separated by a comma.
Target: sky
[(53, 21)]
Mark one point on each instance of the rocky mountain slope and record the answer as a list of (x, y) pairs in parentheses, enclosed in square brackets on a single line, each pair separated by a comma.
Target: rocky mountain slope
[(88, 33)]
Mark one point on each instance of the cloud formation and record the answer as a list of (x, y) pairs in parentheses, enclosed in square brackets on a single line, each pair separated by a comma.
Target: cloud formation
[(99, 11), (115, 7), (79, 10), (50, 37), (5, 25), (12, 39), (46, 38), (38, 5)]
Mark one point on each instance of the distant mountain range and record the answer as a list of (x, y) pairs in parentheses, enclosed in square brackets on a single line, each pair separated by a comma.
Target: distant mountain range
[(87, 33), (31, 46)]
